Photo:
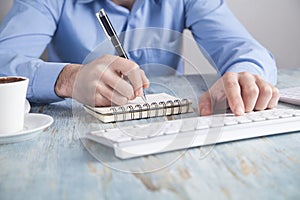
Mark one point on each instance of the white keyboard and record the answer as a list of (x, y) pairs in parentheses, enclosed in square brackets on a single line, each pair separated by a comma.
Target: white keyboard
[(290, 95), (158, 137)]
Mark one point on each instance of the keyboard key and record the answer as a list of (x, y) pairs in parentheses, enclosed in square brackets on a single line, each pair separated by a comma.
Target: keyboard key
[(202, 124), (296, 113), (188, 124), (122, 138), (243, 119), (138, 133), (272, 117), (229, 121), (217, 120), (152, 129), (98, 132), (173, 127), (255, 116), (114, 135), (285, 113)]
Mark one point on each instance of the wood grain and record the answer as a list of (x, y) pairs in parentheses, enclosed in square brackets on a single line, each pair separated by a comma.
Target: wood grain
[(56, 164)]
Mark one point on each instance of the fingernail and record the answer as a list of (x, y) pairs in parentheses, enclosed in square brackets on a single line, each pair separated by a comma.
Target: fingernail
[(204, 111), (239, 111), (139, 92)]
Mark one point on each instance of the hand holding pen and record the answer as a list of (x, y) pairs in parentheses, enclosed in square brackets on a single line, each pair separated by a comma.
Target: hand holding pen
[(101, 82), (113, 37)]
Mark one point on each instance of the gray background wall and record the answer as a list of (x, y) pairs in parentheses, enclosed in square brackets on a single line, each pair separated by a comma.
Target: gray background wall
[(275, 23)]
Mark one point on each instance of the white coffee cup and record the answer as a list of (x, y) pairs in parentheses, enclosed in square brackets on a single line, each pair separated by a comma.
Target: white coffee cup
[(12, 103)]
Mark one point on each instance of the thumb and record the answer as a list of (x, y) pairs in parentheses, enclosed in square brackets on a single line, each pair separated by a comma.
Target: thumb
[(205, 104)]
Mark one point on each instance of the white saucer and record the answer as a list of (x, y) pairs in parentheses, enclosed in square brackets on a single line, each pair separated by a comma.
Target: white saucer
[(33, 125)]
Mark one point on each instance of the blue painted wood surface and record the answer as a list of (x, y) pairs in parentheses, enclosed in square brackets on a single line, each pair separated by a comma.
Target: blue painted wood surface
[(56, 165)]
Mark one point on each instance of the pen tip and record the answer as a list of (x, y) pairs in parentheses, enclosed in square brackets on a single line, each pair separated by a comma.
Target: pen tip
[(144, 98)]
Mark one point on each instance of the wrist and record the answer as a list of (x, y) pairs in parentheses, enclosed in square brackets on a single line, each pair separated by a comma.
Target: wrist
[(66, 79)]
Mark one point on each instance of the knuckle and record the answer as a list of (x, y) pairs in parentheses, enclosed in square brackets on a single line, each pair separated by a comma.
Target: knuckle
[(266, 90), (245, 74), (228, 75), (132, 64), (104, 56), (252, 91), (132, 68), (142, 72), (231, 84), (257, 77), (135, 65)]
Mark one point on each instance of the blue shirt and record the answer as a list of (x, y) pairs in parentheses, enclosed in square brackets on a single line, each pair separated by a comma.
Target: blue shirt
[(151, 35)]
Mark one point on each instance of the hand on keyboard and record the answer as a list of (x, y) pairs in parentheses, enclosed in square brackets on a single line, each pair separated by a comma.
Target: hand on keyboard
[(243, 91)]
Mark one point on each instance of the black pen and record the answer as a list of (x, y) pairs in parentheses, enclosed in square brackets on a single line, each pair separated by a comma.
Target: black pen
[(112, 36)]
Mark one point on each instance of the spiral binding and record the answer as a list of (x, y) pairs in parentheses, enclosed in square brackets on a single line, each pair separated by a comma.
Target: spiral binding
[(171, 105), (129, 112), (139, 109), (115, 113), (164, 107), (148, 109), (156, 108)]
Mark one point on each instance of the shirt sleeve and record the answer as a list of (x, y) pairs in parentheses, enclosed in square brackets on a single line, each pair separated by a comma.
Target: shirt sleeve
[(225, 42), (24, 35)]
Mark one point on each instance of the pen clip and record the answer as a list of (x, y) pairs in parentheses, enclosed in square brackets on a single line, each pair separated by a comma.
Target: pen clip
[(102, 25)]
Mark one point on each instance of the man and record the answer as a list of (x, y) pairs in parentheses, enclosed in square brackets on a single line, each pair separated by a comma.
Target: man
[(70, 31)]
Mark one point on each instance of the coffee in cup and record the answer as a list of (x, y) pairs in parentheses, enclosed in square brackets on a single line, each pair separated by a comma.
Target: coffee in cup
[(12, 102)]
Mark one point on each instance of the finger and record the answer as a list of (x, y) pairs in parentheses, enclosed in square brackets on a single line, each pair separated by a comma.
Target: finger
[(265, 94), (113, 80), (205, 104), (233, 93), (135, 78), (146, 82), (275, 98), (132, 71), (113, 96), (249, 89), (100, 101)]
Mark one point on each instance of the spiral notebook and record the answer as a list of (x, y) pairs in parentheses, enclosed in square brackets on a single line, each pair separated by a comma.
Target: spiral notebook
[(157, 105)]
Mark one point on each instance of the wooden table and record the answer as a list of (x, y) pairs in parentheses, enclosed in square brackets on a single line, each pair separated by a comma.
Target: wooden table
[(56, 164)]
